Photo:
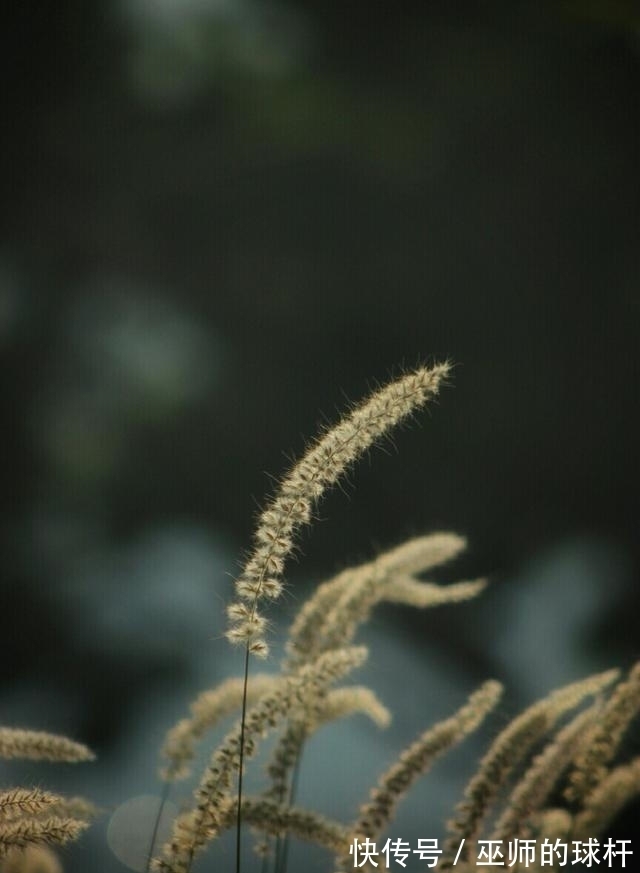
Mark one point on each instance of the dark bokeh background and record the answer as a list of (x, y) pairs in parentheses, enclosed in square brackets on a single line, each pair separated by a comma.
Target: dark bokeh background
[(219, 218)]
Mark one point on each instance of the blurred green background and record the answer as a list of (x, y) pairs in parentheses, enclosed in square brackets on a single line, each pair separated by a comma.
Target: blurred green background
[(220, 217)]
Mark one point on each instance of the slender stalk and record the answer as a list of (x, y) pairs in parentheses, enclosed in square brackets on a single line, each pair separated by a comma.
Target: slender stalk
[(243, 719), (242, 726), (154, 835)]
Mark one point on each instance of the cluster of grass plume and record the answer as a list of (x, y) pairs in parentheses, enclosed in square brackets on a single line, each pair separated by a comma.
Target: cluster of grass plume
[(33, 821), (553, 772), (549, 751)]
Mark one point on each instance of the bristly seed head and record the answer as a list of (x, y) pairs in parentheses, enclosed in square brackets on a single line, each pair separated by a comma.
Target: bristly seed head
[(323, 464)]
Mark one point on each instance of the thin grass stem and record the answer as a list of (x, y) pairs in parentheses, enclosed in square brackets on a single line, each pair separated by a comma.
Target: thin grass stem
[(154, 834), (242, 728)]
